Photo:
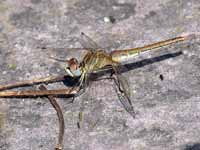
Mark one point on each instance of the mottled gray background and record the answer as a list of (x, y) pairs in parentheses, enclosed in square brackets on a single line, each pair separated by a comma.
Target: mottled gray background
[(168, 111)]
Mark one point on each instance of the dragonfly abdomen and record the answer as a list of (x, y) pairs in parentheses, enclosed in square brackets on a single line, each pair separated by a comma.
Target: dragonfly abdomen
[(124, 55)]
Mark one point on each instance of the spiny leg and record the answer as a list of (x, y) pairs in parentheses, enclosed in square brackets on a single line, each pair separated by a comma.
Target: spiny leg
[(80, 86)]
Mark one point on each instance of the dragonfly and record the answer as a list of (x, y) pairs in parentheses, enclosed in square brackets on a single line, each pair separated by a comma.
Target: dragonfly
[(96, 59)]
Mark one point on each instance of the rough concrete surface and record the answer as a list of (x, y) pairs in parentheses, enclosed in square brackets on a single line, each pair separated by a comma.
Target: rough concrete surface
[(168, 110)]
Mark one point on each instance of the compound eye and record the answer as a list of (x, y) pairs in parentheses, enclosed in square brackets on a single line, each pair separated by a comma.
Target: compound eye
[(72, 68), (73, 63)]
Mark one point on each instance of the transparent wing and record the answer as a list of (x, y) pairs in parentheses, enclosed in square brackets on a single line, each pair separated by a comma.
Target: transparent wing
[(123, 90), (88, 43), (63, 50), (83, 119), (63, 53)]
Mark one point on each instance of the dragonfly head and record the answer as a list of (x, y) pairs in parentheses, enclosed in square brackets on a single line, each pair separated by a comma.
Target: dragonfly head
[(72, 68)]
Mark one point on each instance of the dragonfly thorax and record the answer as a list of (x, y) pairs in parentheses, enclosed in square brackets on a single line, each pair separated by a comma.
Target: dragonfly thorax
[(94, 61)]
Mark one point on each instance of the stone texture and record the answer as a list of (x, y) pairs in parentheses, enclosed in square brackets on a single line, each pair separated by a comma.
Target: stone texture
[(168, 110)]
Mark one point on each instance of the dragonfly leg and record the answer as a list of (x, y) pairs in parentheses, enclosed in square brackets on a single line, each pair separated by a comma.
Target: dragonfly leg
[(80, 92), (82, 85), (116, 81)]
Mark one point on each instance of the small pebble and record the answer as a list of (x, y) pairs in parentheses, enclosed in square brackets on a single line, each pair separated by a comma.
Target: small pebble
[(106, 19), (109, 19)]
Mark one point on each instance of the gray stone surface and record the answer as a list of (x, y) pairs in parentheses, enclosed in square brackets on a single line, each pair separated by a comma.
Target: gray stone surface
[(168, 111)]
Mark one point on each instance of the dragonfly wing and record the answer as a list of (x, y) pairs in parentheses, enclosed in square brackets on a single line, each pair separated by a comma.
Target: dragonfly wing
[(87, 120), (60, 52), (123, 90), (64, 53), (88, 43)]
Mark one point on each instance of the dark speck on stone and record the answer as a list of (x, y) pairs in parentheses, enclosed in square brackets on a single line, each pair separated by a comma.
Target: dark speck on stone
[(161, 77), (112, 19), (151, 14)]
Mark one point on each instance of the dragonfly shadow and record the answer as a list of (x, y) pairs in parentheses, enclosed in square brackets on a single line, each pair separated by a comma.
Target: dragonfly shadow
[(70, 81), (145, 62)]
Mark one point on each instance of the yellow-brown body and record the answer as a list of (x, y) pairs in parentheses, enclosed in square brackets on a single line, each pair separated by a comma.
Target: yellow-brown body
[(96, 60)]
